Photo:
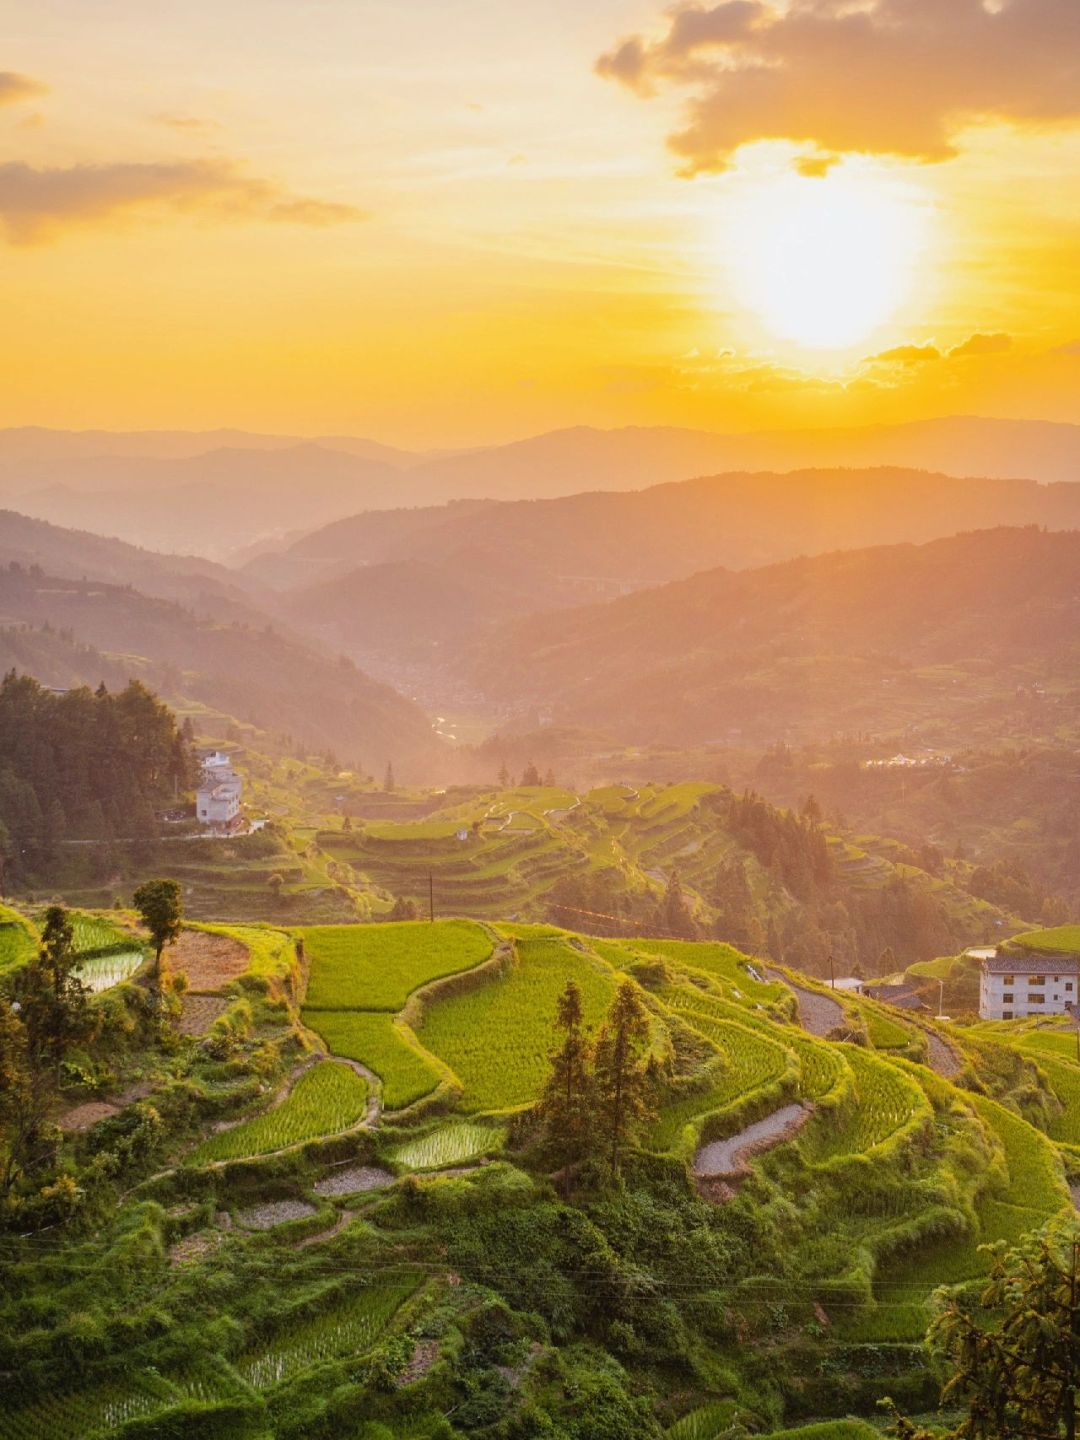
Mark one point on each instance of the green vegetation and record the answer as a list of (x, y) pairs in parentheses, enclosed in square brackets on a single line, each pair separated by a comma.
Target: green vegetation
[(373, 1038), (496, 1037), (449, 1145), (18, 938), (348, 1328), (1059, 937), (329, 1097), (378, 967), (562, 1266)]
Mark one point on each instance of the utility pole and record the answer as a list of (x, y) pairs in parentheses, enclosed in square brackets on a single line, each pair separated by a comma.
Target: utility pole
[(832, 972), (431, 897)]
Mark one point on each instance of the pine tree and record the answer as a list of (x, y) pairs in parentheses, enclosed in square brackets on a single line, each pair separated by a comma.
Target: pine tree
[(565, 1104), (676, 915), (388, 778), (622, 1077)]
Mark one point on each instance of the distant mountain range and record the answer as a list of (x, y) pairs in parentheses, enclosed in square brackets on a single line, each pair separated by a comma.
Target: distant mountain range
[(931, 637), (218, 492), (404, 578)]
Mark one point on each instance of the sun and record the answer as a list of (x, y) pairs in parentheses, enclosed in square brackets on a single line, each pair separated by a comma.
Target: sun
[(825, 261)]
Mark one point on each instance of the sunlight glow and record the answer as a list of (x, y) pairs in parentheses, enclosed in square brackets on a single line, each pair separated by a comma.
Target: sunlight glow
[(825, 261)]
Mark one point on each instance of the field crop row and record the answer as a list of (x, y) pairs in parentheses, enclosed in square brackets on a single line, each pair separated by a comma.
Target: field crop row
[(348, 1328), (884, 1101), (498, 1037), (18, 938), (376, 967), (102, 972), (328, 1098), (449, 1145), (372, 1037)]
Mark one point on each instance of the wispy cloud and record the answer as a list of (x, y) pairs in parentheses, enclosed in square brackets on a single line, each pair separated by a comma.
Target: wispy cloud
[(186, 124), (39, 205), (981, 344), (15, 88), (899, 77)]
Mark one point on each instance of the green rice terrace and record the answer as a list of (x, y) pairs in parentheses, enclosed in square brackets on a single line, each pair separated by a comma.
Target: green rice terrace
[(318, 1198)]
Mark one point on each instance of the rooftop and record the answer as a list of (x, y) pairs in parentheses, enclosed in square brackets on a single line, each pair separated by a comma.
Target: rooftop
[(1032, 962)]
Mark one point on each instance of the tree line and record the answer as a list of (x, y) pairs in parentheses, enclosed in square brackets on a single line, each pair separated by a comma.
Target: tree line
[(84, 764)]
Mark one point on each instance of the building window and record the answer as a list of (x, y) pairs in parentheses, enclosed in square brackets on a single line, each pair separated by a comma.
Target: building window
[(1036, 979), (1006, 1014), (1068, 984), (1008, 980), (1008, 999)]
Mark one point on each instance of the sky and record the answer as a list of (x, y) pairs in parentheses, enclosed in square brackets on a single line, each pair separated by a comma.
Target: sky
[(455, 222)]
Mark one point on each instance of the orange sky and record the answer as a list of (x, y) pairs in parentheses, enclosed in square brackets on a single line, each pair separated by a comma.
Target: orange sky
[(452, 221)]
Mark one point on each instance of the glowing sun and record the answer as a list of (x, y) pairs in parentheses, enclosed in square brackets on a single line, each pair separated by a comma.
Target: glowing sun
[(825, 261)]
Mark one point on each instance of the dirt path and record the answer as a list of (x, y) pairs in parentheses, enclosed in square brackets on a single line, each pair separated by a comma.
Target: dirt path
[(339, 1224), (817, 1013), (944, 1060), (729, 1157)]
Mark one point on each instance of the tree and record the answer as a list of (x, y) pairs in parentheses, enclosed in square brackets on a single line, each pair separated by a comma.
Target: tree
[(388, 779), (1014, 1350), (504, 777), (564, 1105), (21, 1113), (161, 909), (274, 884), (530, 775), (676, 917), (52, 999), (622, 1078)]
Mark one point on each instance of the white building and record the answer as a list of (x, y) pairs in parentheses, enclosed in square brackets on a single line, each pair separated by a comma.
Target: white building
[(217, 801), (1017, 983)]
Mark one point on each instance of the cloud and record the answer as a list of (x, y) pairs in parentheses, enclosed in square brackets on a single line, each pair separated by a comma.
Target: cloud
[(816, 165), (38, 205), (980, 344), (898, 77), (1071, 347), (15, 87), (905, 355), (186, 124)]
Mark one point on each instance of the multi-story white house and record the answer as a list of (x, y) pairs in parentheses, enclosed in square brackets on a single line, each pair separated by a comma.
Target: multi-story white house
[(217, 800), (1017, 983)]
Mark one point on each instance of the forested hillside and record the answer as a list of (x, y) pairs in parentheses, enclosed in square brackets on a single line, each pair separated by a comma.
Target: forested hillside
[(950, 637), (254, 671), (84, 764)]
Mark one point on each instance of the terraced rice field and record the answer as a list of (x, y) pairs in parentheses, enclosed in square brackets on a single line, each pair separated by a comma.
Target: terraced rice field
[(885, 1100), (91, 932), (372, 1038), (102, 972), (347, 1328), (497, 1038), (1064, 1078), (377, 967), (449, 1145), (1033, 1193), (710, 1422), (18, 938), (328, 1098), (82, 1414)]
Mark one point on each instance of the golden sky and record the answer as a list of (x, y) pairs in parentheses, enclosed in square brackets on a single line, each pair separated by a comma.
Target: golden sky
[(447, 222)]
